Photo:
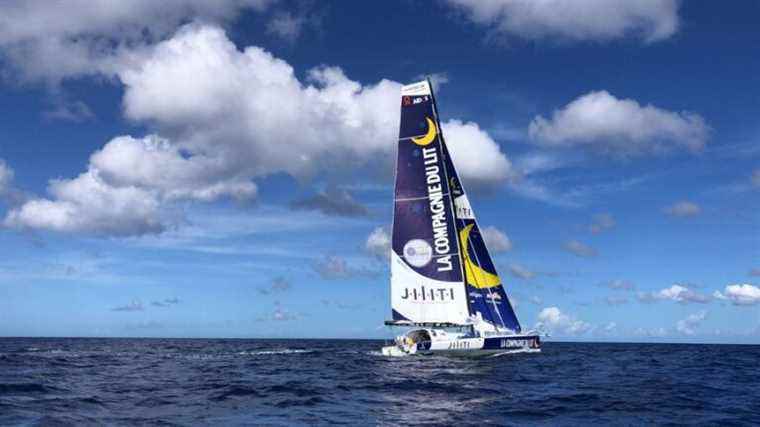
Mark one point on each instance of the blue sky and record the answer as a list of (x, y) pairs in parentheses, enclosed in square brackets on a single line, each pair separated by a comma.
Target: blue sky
[(226, 171)]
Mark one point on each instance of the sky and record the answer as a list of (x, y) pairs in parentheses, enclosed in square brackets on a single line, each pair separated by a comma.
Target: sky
[(183, 169)]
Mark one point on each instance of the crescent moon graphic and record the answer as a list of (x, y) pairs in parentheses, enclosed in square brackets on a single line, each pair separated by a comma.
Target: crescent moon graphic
[(475, 275), (429, 136)]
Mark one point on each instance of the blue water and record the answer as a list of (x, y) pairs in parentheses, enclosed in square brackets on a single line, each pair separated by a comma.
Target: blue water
[(294, 382)]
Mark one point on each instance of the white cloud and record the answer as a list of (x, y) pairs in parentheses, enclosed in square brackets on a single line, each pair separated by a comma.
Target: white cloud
[(378, 243), (677, 293), (620, 127), (552, 319), (286, 25), (89, 205), (521, 272), (153, 162), (244, 116), (55, 40), (579, 249), (476, 155), (683, 208), (496, 240), (610, 327), (251, 109), (575, 20), (744, 294), (689, 325), (601, 223), (333, 201), (124, 188), (651, 333)]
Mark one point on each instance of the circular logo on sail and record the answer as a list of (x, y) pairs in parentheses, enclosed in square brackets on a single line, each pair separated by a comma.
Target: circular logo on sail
[(418, 252)]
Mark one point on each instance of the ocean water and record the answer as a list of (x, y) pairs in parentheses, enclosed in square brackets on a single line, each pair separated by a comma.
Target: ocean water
[(305, 382)]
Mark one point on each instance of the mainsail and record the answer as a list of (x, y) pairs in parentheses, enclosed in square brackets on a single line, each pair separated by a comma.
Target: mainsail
[(441, 271)]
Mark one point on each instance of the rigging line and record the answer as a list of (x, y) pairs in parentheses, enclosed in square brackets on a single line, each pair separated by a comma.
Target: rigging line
[(411, 199), (410, 137)]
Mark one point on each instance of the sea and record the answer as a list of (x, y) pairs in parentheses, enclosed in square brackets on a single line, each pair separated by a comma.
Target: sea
[(83, 381)]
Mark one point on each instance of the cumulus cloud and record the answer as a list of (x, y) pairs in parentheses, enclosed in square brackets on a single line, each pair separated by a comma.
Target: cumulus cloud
[(521, 272), (555, 321), (249, 106), (744, 294), (155, 163), (333, 201), (56, 40), (477, 156), (89, 205), (678, 293), (683, 208), (579, 249), (378, 243), (689, 325), (620, 127), (496, 240), (601, 223), (575, 20), (245, 116), (125, 186)]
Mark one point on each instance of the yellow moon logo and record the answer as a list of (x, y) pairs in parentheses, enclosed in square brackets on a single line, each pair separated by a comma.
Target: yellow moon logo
[(475, 275), (429, 136)]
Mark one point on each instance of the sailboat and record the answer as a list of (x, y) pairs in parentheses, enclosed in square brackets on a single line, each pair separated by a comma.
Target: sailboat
[(444, 286)]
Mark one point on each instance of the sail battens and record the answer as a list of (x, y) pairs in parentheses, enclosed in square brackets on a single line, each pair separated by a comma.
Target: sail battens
[(415, 199)]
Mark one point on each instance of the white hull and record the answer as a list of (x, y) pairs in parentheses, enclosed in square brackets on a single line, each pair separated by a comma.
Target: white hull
[(440, 343)]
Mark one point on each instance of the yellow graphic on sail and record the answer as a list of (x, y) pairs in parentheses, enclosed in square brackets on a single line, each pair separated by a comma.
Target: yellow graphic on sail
[(475, 275), (429, 136)]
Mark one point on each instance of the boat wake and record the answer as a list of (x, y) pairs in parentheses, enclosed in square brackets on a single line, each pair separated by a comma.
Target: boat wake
[(516, 351)]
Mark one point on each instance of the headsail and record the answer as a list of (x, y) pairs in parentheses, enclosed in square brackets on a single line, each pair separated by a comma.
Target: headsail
[(426, 270), (484, 288)]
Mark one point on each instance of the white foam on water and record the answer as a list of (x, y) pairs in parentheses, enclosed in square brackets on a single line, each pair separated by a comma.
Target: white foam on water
[(273, 352), (516, 351)]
